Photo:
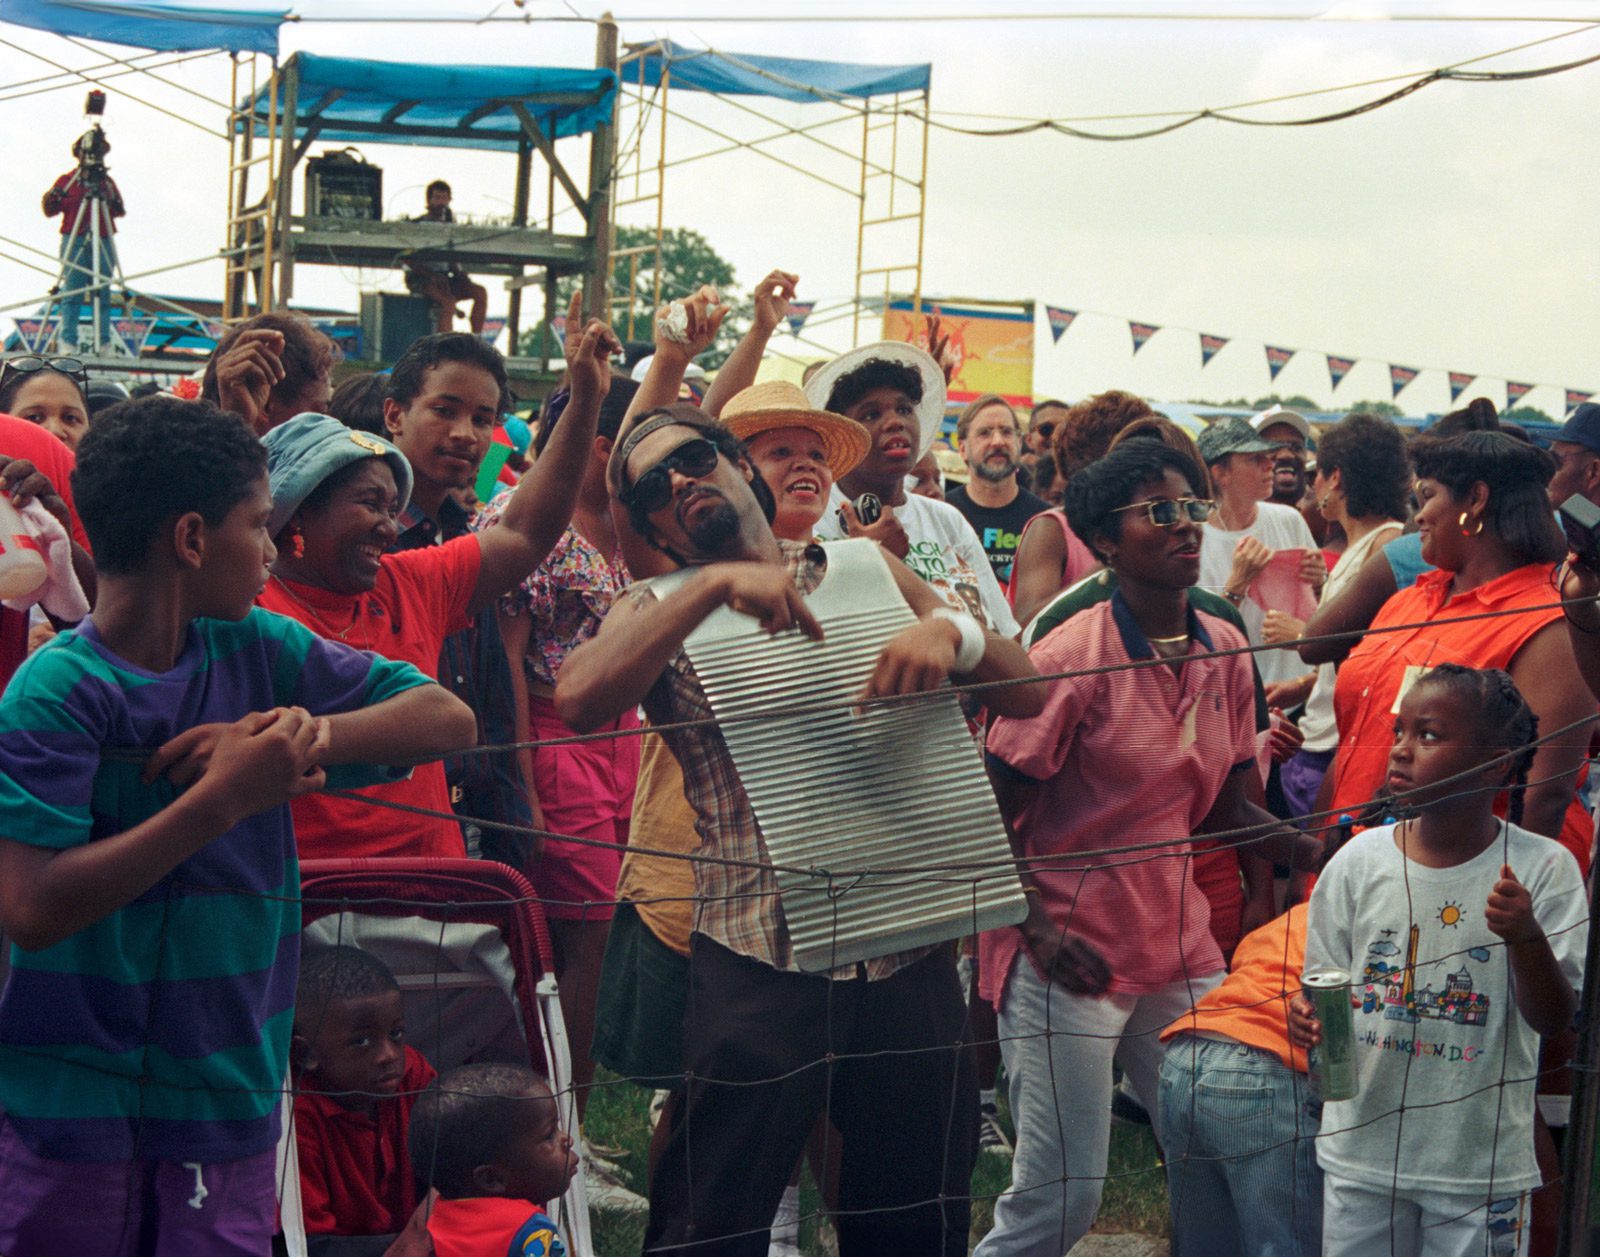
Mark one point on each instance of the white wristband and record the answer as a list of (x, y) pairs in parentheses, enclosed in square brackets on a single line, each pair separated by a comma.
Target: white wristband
[(973, 642)]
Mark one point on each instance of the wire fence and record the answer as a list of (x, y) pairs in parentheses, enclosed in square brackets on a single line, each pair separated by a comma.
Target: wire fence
[(1070, 1037)]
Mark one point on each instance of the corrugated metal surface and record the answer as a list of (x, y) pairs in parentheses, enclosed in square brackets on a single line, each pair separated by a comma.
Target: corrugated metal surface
[(847, 792)]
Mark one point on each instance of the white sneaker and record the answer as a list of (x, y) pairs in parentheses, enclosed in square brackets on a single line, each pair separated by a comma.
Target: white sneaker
[(607, 1191), (991, 1135)]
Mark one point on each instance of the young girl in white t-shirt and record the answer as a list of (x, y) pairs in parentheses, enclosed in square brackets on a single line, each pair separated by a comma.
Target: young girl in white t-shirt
[(1463, 936)]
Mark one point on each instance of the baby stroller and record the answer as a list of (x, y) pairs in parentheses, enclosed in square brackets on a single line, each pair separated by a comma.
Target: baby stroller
[(469, 946)]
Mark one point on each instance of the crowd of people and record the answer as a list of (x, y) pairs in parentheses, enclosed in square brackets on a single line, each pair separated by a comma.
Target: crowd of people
[(1264, 701)]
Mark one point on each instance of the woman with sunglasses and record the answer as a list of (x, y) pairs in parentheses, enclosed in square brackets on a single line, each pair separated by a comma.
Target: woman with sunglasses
[(51, 392), (1120, 754)]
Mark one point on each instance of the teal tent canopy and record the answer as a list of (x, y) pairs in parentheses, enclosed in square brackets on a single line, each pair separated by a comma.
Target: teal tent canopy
[(164, 25), (453, 106), (783, 78)]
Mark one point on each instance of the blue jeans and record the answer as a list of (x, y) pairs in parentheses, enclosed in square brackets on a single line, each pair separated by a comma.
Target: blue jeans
[(77, 252), (1238, 1129)]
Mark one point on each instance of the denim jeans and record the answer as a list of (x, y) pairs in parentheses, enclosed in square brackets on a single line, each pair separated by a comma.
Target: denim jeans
[(77, 253), (1238, 1128), (1058, 1048)]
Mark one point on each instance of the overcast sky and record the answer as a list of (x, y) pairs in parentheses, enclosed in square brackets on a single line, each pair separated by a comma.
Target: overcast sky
[(1454, 229)]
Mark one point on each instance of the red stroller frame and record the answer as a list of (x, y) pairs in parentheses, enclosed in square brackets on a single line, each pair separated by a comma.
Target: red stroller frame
[(458, 934)]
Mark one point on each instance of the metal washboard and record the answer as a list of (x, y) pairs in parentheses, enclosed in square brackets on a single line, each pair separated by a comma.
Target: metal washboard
[(846, 792)]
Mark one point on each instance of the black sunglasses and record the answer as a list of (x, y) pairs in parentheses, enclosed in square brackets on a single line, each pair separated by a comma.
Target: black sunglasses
[(29, 363), (653, 489)]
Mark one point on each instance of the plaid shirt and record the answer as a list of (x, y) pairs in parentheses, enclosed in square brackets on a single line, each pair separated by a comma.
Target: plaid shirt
[(737, 903)]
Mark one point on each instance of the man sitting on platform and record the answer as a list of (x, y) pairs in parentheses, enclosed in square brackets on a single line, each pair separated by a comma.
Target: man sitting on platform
[(445, 288)]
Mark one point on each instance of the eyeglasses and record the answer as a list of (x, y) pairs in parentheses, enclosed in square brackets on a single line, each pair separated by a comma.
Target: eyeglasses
[(653, 489), (1165, 512), (29, 363)]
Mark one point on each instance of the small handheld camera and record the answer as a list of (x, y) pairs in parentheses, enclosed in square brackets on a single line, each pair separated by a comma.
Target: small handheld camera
[(1580, 520), (869, 510)]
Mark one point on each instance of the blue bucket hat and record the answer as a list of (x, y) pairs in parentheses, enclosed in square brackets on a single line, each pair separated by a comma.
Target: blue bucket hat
[(304, 452)]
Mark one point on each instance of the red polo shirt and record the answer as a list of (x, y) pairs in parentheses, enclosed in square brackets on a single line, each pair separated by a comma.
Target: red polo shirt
[(422, 596), (355, 1172), (1129, 756)]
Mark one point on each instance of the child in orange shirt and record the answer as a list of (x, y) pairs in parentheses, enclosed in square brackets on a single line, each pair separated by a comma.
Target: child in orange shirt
[(1237, 1122)]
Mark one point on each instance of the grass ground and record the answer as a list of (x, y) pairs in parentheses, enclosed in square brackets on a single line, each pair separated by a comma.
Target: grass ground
[(1135, 1192)]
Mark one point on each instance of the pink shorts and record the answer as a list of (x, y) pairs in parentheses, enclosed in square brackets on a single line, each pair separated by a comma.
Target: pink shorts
[(584, 789)]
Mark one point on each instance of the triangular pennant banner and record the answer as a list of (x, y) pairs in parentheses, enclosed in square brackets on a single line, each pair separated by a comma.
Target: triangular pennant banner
[(1338, 368), (1399, 377), (134, 333), (1458, 384), (799, 312), (1210, 346), (1575, 398), (36, 333), (1515, 392), (1060, 321), (1278, 359), (1142, 332), (492, 329)]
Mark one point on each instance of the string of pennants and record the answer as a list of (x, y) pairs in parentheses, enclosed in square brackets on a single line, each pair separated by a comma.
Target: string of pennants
[(1278, 357)]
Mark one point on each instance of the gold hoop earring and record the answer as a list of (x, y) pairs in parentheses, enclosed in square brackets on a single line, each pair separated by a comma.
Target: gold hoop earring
[(1465, 531)]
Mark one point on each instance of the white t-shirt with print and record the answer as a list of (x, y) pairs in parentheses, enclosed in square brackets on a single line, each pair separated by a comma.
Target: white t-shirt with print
[(1438, 1031), (1278, 528), (945, 552)]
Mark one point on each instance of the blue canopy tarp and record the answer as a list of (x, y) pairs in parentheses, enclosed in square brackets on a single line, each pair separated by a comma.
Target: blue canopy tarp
[(464, 106), (164, 25), (783, 78)]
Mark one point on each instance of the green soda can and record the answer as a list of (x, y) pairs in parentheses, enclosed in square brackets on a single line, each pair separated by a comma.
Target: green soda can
[(1332, 1063)]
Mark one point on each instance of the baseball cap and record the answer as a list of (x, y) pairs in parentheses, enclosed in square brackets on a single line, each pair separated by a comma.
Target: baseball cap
[(1281, 414), (1230, 436), (1583, 428)]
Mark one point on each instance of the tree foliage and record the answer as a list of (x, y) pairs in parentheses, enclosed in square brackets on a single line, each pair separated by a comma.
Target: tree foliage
[(1386, 410), (687, 261), (1527, 415)]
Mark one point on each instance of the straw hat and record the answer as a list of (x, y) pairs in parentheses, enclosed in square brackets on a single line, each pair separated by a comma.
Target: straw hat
[(781, 404), (930, 410)]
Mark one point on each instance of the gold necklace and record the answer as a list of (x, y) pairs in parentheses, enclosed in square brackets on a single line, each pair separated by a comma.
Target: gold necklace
[(326, 629), (1168, 641)]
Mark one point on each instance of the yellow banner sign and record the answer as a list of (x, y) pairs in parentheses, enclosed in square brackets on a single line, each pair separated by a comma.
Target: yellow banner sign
[(990, 344)]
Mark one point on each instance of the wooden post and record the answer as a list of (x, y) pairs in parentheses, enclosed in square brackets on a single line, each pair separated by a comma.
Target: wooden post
[(519, 218), (602, 169)]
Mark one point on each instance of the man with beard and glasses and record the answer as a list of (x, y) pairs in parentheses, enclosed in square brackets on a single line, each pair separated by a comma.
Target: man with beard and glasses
[(880, 1043), (998, 508)]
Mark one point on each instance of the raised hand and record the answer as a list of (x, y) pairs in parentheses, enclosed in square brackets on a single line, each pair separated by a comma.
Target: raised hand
[(589, 362), (771, 298), (247, 373)]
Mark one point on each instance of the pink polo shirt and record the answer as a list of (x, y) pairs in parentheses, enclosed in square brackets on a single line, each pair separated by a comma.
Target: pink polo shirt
[(1125, 757)]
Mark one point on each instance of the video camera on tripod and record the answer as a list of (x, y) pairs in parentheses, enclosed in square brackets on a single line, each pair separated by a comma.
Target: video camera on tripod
[(92, 146)]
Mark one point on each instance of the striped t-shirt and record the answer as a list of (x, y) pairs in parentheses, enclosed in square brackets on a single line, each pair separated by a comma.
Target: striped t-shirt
[(161, 1031)]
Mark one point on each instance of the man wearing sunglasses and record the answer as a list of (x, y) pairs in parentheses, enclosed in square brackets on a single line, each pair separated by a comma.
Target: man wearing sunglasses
[(905, 1103), (1043, 420)]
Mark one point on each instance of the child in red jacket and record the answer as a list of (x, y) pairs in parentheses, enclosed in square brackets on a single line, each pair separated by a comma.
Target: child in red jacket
[(357, 1084)]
